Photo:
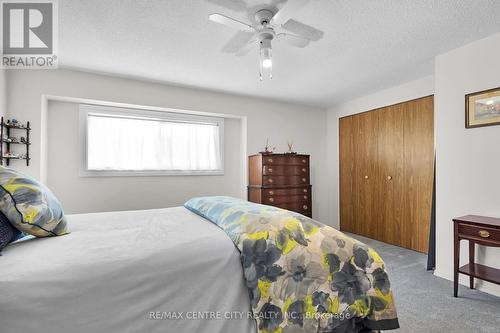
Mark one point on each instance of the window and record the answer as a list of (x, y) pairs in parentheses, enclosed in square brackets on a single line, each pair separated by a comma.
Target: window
[(121, 141)]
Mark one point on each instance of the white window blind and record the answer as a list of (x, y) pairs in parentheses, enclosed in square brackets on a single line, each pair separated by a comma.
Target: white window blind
[(123, 141)]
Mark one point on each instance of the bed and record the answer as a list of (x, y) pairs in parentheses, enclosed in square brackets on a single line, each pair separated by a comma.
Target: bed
[(218, 264), (134, 271)]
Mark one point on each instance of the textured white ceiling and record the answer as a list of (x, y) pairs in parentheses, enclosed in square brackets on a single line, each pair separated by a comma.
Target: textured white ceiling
[(368, 45)]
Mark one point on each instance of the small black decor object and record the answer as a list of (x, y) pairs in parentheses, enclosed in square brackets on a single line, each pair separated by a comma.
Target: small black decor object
[(9, 140)]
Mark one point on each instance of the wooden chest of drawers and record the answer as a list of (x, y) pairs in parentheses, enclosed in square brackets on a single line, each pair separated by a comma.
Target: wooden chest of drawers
[(281, 180)]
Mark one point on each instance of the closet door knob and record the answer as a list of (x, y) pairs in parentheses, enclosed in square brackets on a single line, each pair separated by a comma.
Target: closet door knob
[(389, 177)]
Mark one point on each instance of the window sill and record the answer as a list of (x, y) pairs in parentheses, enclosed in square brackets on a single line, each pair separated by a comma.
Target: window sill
[(147, 173)]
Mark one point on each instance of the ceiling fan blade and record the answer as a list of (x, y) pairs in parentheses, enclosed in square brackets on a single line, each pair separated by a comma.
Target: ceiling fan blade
[(236, 5), (227, 21), (290, 8), (304, 30), (247, 48), (236, 43), (293, 40)]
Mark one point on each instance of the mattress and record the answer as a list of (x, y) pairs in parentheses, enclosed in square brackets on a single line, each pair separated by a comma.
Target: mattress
[(162, 270)]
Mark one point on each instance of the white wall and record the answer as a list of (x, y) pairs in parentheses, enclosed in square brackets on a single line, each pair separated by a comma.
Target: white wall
[(3, 92), (408, 91), (306, 126), (468, 160), (126, 193)]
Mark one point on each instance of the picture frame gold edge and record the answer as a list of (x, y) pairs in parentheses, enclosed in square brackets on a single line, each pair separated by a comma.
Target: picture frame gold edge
[(467, 117)]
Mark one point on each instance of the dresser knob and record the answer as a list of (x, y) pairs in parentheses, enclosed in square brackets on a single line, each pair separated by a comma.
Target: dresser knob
[(304, 190), (271, 192), (304, 160), (304, 169), (389, 177), (304, 180), (270, 160), (270, 180), (484, 233), (270, 169), (305, 207), (366, 177), (271, 199), (305, 196)]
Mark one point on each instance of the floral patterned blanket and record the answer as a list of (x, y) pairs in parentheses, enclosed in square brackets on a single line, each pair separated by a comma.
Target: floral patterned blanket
[(303, 276)]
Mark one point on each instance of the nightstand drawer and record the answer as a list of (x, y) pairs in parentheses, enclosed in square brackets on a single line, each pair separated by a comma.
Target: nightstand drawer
[(478, 232)]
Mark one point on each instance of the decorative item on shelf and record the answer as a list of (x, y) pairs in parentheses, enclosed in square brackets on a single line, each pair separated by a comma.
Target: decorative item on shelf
[(266, 148), (482, 108), (290, 148), (6, 155)]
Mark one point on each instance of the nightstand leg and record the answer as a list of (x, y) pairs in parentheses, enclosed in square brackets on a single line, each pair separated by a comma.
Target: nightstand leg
[(472, 248), (456, 256)]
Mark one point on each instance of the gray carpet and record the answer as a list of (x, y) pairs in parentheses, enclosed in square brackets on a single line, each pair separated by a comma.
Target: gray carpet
[(425, 303)]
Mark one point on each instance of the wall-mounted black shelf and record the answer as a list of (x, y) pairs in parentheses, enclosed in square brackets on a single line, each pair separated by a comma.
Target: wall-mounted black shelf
[(7, 139)]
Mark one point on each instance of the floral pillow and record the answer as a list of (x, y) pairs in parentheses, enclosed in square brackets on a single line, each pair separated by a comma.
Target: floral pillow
[(29, 206)]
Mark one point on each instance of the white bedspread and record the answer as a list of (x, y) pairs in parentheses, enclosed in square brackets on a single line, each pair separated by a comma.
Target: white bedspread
[(114, 269)]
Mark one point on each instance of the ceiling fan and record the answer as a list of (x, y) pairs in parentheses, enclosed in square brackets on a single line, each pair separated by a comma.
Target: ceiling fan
[(270, 24)]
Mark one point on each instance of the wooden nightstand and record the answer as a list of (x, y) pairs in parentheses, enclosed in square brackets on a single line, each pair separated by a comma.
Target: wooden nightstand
[(477, 230)]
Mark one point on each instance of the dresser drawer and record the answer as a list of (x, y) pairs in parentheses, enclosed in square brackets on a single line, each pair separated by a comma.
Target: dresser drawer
[(478, 232), (299, 207), (286, 191), (292, 170), (285, 160), (285, 180), (280, 199)]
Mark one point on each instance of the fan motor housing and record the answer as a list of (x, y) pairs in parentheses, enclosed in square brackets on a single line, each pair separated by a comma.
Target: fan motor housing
[(264, 16)]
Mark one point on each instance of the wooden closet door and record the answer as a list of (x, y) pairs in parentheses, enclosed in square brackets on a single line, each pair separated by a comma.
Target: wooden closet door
[(365, 177), (346, 174), (390, 178), (418, 173)]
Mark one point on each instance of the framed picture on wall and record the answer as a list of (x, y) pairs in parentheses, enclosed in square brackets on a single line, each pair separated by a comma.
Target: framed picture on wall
[(482, 108)]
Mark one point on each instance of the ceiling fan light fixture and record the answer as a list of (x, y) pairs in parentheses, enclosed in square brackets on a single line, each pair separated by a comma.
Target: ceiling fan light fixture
[(267, 63), (266, 59)]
